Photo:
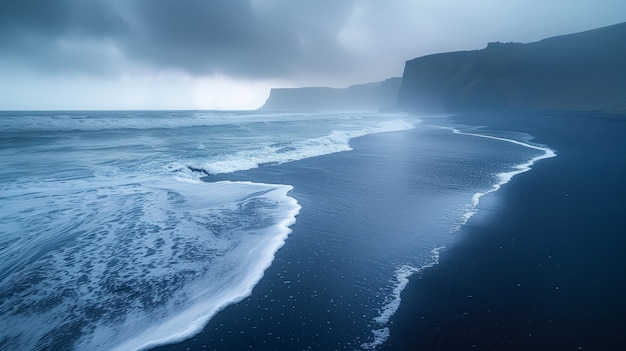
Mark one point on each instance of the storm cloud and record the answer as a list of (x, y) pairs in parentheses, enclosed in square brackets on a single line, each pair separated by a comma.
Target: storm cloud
[(258, 39), (304, 42), (250, 38)]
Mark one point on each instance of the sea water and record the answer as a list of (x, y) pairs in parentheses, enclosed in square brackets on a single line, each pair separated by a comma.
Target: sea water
[(111, 237)]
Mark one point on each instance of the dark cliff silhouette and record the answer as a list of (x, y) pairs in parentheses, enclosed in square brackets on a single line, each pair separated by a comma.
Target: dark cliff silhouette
[(369, 97), (581, 71)]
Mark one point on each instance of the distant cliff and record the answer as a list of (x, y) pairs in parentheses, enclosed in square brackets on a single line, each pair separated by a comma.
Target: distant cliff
[(371, 96), (582, 71)]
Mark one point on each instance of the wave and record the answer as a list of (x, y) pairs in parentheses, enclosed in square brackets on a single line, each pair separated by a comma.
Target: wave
[(283, 152), (91, 121), (111, 120), (129, 264)]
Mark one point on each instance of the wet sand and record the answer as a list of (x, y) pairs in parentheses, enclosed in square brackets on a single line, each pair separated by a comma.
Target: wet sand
[(542, 264)]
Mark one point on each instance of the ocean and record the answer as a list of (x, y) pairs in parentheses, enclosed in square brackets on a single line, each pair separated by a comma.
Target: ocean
[(126, 230)]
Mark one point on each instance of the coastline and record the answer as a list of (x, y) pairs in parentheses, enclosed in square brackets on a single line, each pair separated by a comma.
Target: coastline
[(315, 294), (540, 266), (428, 316)]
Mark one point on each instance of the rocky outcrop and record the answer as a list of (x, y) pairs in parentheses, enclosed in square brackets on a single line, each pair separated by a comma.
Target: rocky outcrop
[(582, 71), (368, 97)]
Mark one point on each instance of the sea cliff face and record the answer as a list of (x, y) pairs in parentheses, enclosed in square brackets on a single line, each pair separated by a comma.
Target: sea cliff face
[(582, 71), (369, 97)]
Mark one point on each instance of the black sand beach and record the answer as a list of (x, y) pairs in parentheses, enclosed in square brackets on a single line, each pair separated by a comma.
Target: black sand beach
[(313, 296), (540, 266), (544, 269)]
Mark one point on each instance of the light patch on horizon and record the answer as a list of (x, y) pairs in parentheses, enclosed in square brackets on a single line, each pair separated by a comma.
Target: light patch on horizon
[(223, 93), (87, 93), (163, 91)]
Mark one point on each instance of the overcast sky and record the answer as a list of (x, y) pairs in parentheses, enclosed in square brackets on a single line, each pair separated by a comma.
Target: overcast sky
[(227, 54)]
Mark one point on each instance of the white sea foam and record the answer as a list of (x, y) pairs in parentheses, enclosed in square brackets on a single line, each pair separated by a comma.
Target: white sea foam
[(129, 263), (392, 302), (277, 153), (503, 177)]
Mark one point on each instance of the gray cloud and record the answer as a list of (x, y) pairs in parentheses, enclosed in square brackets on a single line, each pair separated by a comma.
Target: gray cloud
[(58, 35), (267, 39), (257, 39)]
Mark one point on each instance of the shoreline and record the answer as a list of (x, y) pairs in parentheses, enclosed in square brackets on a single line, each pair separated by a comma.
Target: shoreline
[(505, 177), (542, 269), (305, 297), (404, 274), (422, 298)]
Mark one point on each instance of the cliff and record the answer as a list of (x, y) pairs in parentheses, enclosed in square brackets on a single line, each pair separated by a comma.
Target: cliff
[(582, 71), (371, 96)]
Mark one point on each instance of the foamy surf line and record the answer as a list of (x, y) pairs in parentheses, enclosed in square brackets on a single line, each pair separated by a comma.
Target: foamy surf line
[(392, 302), (380, 335), (274, 154), (192, 320), (503, 177), (191, 249)]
